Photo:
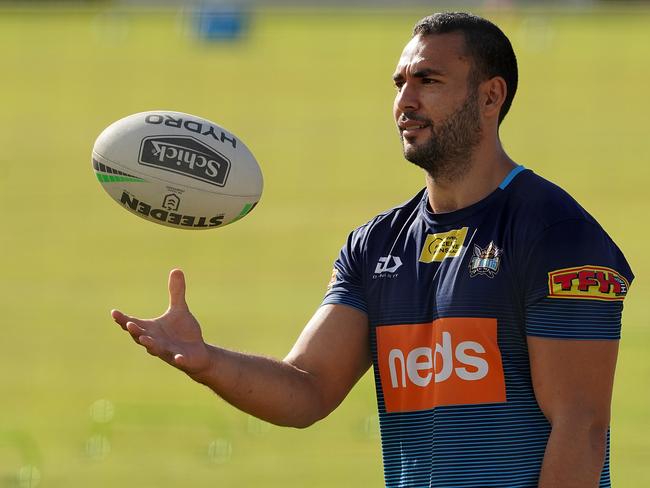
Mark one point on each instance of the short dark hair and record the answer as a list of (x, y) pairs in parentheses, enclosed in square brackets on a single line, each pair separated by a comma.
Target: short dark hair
[(486, 44)]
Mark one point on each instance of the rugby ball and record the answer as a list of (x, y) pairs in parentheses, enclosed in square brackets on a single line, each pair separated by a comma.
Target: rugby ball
[(177, 170)]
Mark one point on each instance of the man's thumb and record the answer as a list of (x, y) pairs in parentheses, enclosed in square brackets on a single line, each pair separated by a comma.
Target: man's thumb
[(177, 290)]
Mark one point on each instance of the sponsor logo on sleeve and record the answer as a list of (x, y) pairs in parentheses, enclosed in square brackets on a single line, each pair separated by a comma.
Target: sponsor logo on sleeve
[(587, 282), (450, 361), (443, 245)]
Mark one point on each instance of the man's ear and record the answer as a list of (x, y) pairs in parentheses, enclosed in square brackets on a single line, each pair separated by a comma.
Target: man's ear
[(492, 95)]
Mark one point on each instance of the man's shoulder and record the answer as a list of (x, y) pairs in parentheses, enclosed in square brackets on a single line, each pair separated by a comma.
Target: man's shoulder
[(394, 217), (538, 200), (550, 222)]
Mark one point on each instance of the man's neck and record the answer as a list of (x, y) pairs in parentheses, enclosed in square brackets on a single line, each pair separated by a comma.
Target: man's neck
[(486, 172)]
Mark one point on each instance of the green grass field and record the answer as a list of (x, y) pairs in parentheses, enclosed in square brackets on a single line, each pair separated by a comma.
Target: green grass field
[(310, 93)]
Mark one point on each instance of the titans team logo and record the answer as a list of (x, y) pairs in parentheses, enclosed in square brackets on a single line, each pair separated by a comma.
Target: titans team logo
[(485, 261)]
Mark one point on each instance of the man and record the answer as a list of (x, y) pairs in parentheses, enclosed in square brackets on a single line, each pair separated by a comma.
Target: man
[(489, 305)]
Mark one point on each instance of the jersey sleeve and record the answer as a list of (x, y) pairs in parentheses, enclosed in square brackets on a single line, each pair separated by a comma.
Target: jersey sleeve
[(575, 280), (346, 284)]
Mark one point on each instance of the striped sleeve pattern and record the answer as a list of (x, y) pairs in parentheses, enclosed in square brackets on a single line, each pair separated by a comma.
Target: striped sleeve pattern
[(574, 319), (346, 286), (343, 295)]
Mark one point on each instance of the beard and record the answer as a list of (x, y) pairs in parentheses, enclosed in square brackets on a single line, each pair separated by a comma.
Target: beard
[(447, 153)]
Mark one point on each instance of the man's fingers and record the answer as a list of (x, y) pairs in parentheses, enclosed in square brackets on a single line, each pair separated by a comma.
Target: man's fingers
[(134, 329), (123, 319), (156, 348), (120, 318), (177, 290), (150, 345)]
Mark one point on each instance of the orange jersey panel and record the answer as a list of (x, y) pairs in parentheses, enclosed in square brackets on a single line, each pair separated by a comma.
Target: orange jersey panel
[(450, 361)]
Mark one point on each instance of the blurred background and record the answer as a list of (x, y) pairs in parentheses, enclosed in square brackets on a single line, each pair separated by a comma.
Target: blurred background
[(308, 87)]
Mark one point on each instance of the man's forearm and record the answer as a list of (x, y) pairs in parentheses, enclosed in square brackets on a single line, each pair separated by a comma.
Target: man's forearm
[(574, 456), (266, 388)]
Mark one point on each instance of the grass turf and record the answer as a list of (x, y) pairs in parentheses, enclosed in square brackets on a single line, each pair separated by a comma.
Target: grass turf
[(310, 93)]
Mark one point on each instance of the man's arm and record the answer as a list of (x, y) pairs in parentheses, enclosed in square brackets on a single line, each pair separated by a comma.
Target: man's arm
[(573, 383), (330, 356)]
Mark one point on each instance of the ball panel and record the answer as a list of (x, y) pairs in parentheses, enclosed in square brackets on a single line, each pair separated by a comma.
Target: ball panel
[(181, 148)]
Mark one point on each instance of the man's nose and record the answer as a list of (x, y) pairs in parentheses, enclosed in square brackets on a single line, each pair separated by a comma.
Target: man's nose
[(407, 99)]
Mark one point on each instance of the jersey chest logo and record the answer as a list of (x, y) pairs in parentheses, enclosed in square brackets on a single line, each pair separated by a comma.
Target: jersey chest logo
[(444, 245), (485, 261), (450, 361)]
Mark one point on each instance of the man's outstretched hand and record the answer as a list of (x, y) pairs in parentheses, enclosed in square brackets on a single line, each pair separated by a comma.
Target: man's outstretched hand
[(175, 336), (329, 357)]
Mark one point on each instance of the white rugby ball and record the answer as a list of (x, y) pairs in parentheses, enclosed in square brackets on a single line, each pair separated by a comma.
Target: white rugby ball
[(177, 170)]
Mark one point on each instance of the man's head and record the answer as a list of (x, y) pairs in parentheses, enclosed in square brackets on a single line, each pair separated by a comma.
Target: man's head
[(456, 80)]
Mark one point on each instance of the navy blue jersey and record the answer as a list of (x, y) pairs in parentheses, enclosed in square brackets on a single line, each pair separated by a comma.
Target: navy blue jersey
[(451, 299)]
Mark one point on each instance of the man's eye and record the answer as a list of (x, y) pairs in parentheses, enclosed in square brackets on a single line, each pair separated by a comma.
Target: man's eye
[(429, 81), (399, 85)]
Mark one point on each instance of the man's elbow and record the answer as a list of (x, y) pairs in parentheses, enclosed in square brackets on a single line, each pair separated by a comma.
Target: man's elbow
[(303, 423), (313, 408), (591, 426), (598, 434), (300, 420)]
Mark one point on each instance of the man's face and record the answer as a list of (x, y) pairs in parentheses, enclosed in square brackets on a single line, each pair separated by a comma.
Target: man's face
[(436, 106)]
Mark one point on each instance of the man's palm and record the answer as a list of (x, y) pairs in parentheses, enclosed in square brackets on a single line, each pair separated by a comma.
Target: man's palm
[(175, 337)]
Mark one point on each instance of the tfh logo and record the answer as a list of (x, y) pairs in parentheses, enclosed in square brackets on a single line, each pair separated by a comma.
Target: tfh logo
[(388, 264), (587, 282)]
